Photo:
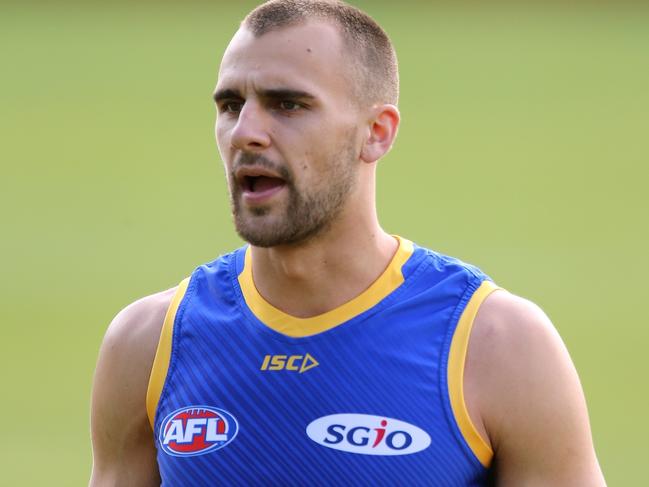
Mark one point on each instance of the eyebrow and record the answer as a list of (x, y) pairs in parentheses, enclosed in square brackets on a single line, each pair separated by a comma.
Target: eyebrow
[(273, 94), (282, 93), (226, 94)]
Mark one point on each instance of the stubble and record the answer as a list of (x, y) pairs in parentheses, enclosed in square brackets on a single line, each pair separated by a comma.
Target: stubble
[(306, 214)]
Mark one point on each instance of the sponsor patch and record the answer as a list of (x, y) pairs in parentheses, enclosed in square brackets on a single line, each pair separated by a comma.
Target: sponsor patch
[(196, 430), (366, 434), (292, 363)]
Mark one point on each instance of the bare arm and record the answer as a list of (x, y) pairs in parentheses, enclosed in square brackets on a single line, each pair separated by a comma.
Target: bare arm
[(524, 396), (122, 441)]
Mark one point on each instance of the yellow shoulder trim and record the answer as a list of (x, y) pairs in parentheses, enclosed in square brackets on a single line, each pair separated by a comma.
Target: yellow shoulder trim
[(163, 354), (292, 326), (456, 361)]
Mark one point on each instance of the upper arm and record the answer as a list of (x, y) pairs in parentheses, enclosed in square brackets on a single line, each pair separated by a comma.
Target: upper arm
[(523, 392), (122, 441)]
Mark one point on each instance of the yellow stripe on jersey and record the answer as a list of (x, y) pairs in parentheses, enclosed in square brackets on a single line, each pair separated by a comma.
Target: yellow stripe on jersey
[(456, 361), (163, 354), (292, 326)]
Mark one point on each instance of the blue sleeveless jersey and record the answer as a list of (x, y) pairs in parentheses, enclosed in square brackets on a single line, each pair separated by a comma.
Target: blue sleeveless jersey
[(367, 394)]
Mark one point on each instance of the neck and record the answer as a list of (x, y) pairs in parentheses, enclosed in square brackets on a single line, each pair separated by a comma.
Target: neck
[(314, 277)]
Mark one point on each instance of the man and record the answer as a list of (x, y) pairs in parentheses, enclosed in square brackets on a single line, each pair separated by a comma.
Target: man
[(329, 352)]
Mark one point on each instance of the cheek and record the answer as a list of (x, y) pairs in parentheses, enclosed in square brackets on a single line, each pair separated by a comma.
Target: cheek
[(219, 132), (323, 150), (222, 140)]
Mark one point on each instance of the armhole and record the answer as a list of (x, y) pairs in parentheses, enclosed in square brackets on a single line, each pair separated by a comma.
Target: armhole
[(455, 371), (163, 354)]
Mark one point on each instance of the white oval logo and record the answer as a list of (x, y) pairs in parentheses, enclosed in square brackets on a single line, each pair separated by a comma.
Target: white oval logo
[(367, 434)]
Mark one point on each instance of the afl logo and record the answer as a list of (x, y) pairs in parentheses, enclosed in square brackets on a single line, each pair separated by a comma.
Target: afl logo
[(368, 435), (195, 430)]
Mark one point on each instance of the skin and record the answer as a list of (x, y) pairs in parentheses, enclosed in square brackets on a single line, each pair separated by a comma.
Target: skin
[(524, 397), (521, 389), (122, 441), (306, 58)]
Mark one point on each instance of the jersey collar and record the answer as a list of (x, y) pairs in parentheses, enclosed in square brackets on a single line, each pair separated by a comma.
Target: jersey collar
[(293, 326)]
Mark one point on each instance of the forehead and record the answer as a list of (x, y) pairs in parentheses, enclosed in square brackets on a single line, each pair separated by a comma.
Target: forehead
[(306, 56)]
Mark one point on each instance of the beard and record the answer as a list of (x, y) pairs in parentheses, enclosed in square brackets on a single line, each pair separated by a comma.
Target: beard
[(305, 215)]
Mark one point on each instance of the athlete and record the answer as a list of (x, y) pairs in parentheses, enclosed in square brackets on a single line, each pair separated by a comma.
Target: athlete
[(327, 351)]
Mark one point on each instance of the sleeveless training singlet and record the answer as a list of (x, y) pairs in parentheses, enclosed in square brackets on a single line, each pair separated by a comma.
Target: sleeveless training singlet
[(369, 393)]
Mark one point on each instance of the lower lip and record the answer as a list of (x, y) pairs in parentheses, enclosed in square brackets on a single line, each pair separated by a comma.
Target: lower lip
[(259, 197)]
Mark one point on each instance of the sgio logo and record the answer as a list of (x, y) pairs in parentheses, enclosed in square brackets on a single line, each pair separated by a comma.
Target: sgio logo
[(368, 435), (294, 363)]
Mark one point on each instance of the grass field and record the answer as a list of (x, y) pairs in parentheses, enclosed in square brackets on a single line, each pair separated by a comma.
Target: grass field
[(524, 149)]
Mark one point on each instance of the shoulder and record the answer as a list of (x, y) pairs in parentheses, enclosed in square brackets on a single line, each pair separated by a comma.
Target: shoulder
[(133, 334), (443, 273), (126, 357), (508, 328), (523, 393), (121, 434), (512, 348), (128, 349), (447, 263)]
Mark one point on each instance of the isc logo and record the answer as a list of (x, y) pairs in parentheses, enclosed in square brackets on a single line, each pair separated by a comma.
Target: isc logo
[(294, 363), (367, 434), (195, 430)]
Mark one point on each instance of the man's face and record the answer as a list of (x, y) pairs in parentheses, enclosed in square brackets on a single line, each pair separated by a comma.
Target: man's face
[(287, 131)]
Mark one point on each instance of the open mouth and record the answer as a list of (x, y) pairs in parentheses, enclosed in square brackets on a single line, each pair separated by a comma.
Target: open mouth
[(261, 184)]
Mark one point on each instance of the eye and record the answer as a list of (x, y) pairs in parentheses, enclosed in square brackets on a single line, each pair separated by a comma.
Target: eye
[(231, 106), (289, 105)]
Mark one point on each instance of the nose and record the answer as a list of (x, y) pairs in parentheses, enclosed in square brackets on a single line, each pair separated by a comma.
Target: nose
[(251, 130)]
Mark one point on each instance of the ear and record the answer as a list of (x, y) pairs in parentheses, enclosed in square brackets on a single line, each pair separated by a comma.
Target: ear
[(382, 132)]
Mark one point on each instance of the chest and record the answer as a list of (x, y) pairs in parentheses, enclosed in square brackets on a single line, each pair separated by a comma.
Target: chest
[(361, 404)]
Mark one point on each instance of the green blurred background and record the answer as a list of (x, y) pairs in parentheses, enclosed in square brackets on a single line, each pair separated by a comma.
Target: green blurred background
[(523, 149)]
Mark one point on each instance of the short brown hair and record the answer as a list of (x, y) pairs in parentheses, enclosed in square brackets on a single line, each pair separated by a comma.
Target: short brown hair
[(376, 76)]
